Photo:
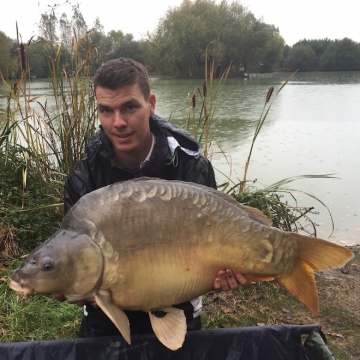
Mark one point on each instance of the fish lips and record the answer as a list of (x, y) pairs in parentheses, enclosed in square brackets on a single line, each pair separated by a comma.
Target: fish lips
[(22, 288)]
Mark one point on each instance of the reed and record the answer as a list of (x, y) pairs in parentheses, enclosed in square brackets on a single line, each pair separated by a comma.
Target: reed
[(199, 123), (45, 140)]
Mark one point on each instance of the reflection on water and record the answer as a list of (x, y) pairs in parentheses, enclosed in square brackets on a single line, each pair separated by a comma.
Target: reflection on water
[(312, 128)]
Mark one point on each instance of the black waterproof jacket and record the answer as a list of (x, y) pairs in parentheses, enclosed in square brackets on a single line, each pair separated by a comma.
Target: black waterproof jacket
[(176, 156), (97, 170)]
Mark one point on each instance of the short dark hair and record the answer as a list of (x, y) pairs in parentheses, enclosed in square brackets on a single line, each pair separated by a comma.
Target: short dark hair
[(120, 72)]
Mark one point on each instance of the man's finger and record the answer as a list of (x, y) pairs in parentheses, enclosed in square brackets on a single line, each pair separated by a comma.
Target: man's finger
[(217, 285), (224, 280), (231, 280), (244, 282)]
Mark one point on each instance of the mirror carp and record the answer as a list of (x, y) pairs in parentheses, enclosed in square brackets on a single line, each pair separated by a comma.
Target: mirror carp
[(148, 244)]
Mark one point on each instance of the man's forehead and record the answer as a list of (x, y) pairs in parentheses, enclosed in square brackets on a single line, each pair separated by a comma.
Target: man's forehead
[(118, 96)]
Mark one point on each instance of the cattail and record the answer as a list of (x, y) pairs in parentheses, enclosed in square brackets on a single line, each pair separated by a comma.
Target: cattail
[(204, 88), (193, 101), (268, 96), (29, 42), (217, 72), (16, 88), (22, 57)]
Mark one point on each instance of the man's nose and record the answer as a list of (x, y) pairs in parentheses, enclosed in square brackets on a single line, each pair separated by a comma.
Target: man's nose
[(119, 120)]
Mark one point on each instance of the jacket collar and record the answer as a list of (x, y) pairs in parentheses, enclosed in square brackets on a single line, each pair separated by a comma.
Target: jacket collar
[(169, 138)]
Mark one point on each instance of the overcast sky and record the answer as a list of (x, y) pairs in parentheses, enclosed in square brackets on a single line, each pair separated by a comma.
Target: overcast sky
[(310, 19)]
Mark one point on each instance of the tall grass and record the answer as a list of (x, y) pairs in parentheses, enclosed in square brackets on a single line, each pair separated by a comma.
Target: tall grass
[(56, 133), (210, 95), (42, 142)]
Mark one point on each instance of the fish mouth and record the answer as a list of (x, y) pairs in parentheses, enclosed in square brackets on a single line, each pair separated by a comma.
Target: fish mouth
[(23, 289)]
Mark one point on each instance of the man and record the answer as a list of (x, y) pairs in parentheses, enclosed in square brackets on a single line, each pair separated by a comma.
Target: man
[(131, 143)]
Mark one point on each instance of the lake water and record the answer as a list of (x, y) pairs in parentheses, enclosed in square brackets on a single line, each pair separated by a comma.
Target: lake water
[(313, 127)]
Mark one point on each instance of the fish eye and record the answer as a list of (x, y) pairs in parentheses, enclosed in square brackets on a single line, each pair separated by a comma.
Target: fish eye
[(47, 264)]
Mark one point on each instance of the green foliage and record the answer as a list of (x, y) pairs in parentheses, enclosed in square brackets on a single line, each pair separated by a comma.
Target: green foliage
[(67, 32), (341, 55), (5, 54), (38, 61), (128, 47), (271, 201), (324, 55), (177, 46), (318, 45), (27, 199), (301, 57)]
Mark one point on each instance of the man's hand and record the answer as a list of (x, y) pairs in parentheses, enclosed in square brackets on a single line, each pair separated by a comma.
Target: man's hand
[(81, 303), (226, 281)]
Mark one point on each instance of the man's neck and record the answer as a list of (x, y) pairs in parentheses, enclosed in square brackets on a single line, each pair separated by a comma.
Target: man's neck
[(133, 160)]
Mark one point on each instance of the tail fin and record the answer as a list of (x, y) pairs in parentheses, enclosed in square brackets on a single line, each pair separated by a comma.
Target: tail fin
[(313, 254)]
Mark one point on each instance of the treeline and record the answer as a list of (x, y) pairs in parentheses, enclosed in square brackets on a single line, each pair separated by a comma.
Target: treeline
[(322, 55), (226, 32)]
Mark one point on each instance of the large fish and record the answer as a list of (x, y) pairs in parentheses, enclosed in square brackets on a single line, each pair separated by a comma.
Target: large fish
[(148, 244)]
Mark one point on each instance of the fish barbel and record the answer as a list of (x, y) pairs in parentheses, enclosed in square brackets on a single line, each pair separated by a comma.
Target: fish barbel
[(148, 244)]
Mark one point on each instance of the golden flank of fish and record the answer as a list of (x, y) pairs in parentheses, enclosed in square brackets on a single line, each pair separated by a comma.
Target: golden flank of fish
[(148, 244)]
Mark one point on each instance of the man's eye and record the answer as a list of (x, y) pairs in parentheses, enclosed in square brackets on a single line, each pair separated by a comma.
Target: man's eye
[(104, 111), (130, 108)]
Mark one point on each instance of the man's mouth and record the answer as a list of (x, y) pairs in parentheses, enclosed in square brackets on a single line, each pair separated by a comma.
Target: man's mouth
[(124, 136)]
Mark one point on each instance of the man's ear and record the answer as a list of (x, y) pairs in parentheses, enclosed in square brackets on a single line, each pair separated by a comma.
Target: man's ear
[(152, 103)]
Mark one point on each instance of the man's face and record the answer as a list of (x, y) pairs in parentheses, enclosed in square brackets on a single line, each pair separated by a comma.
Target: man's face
[(124, 115)]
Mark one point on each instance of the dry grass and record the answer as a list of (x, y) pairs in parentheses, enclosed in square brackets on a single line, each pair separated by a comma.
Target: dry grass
[(9, 243)]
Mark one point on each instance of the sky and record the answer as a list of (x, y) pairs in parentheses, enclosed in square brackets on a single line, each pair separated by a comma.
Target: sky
[(296, 20)]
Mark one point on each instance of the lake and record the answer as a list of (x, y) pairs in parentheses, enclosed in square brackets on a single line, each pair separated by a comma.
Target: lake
[(313, 127)]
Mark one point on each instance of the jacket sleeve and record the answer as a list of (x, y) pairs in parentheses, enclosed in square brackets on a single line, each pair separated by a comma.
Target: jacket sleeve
[(77, 184), (199, 170)]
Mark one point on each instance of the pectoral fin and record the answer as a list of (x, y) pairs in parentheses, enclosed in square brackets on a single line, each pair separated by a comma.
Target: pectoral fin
[(169, 325), (116, 315)]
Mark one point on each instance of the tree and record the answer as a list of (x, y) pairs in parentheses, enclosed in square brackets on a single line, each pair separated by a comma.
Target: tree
[(5, 54), (301, 57), (128, 47), (48, 26), (318, 45), (177, 46), (341, 55), (78, 23), (39, 66), (65, 31)]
